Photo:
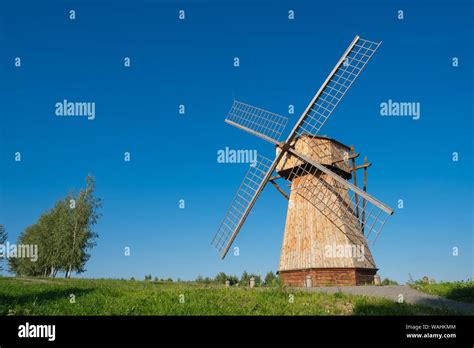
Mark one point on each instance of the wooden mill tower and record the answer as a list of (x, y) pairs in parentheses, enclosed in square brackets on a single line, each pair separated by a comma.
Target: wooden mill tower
[(318, 248)]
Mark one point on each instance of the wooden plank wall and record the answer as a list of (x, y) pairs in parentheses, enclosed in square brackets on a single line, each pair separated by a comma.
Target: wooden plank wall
[(310, 229), (328, 277), (322, 150)]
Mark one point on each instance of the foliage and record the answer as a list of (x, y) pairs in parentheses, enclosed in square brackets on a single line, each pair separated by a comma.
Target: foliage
[(387, 281), (221, 278), (460, 291), (202, 280), (63, 235), (271, 279), (245, 279), (3, 239)]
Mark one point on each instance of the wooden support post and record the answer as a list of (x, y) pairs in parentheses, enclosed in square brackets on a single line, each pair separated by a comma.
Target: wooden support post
[(279, 189), (366, 165), (354, 173)]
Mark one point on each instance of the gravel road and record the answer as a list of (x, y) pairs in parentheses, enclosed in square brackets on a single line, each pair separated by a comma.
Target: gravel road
[(392, 292)]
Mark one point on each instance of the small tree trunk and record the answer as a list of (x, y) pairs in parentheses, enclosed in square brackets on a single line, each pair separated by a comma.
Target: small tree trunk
[(68, 273)]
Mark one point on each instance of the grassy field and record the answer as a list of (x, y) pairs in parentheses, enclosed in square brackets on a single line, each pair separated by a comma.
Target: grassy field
[(459, 291), (41, 296)]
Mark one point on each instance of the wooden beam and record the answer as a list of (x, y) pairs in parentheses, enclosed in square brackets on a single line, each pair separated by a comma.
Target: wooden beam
[(279, 189), (251, 131), (365, 166), (353, 169), (345, 158), (365, 190)]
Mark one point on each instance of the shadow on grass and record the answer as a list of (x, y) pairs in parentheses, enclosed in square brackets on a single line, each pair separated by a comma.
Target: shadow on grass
[(463, 294), (40, 297)]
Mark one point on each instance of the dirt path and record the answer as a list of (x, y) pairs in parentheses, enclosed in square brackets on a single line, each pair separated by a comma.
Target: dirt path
[(392, 292)]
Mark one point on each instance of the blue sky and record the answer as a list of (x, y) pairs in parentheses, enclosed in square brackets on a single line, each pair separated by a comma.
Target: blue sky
[(174, 156)]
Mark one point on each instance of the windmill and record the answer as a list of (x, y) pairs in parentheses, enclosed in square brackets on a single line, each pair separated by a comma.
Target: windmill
[(330, 220)]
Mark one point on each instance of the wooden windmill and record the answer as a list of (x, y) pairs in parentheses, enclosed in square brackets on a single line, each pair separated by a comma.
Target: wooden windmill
[(330, 220)]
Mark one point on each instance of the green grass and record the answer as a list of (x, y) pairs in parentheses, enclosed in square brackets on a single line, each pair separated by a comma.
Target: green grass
[(43, 296), (459, 291)]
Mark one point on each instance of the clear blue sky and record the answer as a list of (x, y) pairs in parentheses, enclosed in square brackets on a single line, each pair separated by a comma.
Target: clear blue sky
[(175, 157)]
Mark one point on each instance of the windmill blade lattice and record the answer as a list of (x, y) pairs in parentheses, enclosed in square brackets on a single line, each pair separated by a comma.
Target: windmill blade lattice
[(335, 87), (260, 122), (251, 186)]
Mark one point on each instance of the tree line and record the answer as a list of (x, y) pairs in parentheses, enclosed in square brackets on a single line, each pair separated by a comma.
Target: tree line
[(3, 239), (63, 234), (270, 279)]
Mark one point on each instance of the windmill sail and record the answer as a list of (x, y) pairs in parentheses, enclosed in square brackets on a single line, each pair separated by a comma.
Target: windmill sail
[(341, 78), (264, 124), (248, 192)]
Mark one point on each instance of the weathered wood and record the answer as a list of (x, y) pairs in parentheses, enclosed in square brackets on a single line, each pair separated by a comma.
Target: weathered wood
[(351, 156), (362, 166), (310, 234), (323, 150), (348, 185), (279, 189), (365, 190), (328, 276), (355, 182)]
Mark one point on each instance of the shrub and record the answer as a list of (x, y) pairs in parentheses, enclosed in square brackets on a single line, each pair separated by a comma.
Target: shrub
[(387, 281)]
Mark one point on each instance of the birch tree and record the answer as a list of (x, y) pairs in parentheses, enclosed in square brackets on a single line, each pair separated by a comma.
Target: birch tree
[(63, 234), (3, 239)]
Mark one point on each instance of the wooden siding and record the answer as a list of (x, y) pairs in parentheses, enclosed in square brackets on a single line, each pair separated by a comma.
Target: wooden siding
[(328, 276), (323, 150), (311, 239)]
